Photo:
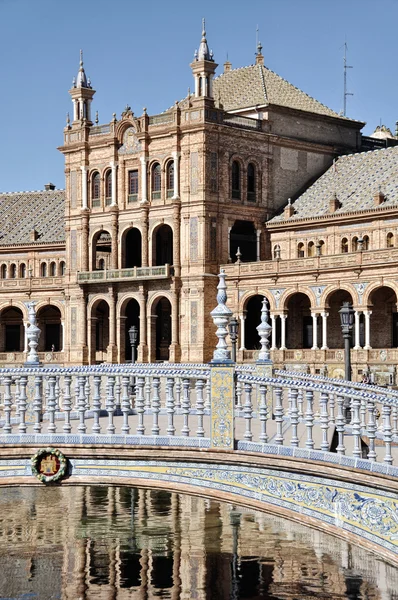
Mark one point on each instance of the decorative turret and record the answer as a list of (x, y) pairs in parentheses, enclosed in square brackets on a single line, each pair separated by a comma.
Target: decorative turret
[(259, 55), (82, 95), (203, 68)]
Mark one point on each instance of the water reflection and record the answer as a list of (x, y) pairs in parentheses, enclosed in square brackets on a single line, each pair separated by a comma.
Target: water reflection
[(120, 543)]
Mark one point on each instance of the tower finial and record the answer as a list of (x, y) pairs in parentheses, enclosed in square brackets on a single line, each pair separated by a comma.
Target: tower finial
[(203, 27), (81, 58)]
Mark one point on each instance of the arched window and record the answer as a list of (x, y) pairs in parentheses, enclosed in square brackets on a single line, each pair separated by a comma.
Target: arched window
[(311, 249), (43, 269), (344, 245), (236, 180), (101, 264), (251, 183), (96, 190), (62, 267), (170, 179), (366, 242), (156, 181), (108, 188), (354, 244), (3, 271), (277, 252), (53, 269), (22, 271), (321, 247), (390, 240), (300, 250), (13, 271)]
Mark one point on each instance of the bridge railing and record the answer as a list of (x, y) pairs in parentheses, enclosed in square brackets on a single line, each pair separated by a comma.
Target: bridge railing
[(170, 405)]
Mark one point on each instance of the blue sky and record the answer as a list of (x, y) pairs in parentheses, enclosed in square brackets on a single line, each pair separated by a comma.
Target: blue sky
[(138, 53)]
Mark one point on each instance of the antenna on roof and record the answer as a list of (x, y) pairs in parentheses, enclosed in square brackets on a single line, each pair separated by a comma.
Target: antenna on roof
[(345, 79), (257, 30)]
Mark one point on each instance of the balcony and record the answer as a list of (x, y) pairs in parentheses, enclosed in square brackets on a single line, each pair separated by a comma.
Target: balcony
[(132, 274)]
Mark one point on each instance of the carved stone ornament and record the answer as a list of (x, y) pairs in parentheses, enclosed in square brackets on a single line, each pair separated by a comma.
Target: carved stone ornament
[(49, 465)]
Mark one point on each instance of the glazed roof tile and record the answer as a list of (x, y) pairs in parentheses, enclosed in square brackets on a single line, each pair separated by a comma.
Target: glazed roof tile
[(355, 179), (20, 212)]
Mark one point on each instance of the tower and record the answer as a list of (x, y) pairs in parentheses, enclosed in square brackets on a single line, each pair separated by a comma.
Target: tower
[(203, 69), (82, 94)]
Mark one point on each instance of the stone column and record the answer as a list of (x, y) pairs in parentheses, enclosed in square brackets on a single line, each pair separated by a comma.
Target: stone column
[(114, 235), (74, 110), (176, 158), (25, 348), (357, 344), (114, 183), (62, 349), (84, 187), (314, 331), (144, 238), (283, 331), (175, 353), (111, 350), (367, 314), (273, 332), (324, 316), (229, 244), (142, 350), (84, 241), (176, 238), (242, 331), (144, 187), (258, 233)]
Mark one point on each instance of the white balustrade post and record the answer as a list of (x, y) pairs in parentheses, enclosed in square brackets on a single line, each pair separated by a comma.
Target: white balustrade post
[(114, 183), (356, 426), (200, 383), (82, 404), (357, 344), (309, 418), (38, 403), (140, 404), (186, 405), (147, 392), (22, 404), (300, 402), (155, 405), (258, 234), (314, 331), (387, 434), (7, 403), (51, 404), (263, 413), (170, 405), (324, 330), (125, 404), (278, 410), (67, 428), (110, 403), (283, 331), (273, 332), (84, 186), (324, 419), (367, 314), (248, 411), (340, 424), (238, 404), (97, 404), (371, 430), (178, 393), (294, 416)]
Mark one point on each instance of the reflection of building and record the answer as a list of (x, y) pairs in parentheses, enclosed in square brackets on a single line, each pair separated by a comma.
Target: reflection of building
[(155, 204), (104, 542)]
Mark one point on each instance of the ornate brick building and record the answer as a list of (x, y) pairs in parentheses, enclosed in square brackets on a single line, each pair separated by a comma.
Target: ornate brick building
[(153, 205)]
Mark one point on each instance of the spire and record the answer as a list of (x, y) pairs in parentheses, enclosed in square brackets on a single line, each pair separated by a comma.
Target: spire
[(82, 95), (81, 80), (203, 68), (204, 53)]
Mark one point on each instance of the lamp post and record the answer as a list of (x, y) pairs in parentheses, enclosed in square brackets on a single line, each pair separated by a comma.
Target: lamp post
[(347, 320), (133, 335), (233, 328)]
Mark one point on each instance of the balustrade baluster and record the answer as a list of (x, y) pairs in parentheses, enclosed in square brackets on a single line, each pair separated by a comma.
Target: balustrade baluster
[(387, 433), (300, 402), (170, 405), (340, 424), (147, 392), (155, 405), (76, 393), (309, 418), (7, 381), (16, 381), (56, 393), (87, 391), (200, 384), (22, 404), (324, 419), (356, 426), (248, 411), (294, 416), (140, 404), (67, 403), (238, 395), (371, 430), (394, 420), (278, 391), (186, 405), (118, 389), (263, 413), (208, 394), (125, 404), (178, 393), (363, 414), (51, 404), (332, 419), (97, 404), (110, 403), (38, 403), (82, 428)]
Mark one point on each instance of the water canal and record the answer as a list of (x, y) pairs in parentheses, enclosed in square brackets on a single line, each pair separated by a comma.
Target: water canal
[(121, 543)]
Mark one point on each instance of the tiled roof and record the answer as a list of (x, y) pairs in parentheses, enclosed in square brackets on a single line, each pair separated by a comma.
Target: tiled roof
[(355, 179), (20, 212), (248, 86)]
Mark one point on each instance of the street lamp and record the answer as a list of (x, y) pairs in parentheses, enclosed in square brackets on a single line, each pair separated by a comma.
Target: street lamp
[(233, 327), (347, 320), (133, 335)]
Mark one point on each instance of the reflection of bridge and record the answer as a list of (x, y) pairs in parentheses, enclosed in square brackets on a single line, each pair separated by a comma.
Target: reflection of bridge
[(311, 448)]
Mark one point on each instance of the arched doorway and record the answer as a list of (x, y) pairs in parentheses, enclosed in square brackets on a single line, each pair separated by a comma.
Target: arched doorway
[(12, 330), (162, 249), (99, 332), (49, 322), (299, 328), (161, 332), (335, 302), (243, 236), (102, 248), (384, 318), (133, 248), (131, 313), (252, 321)]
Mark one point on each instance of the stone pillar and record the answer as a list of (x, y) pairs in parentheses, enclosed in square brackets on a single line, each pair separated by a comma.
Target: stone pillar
[(142, 350), (84, 241), (144, 238), (176, 158), (367, 314), (324, 316), (273, 332), (112, 350), (114, 183), (74, 110), (229, 244), (314, 331), (25, 348), (258, 233), (82, 312), (357, 343), (175, 352), (62, 349), (176, 238), (84, 187), (242, 318), (283, 331), (144, 187), (114, 235)]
